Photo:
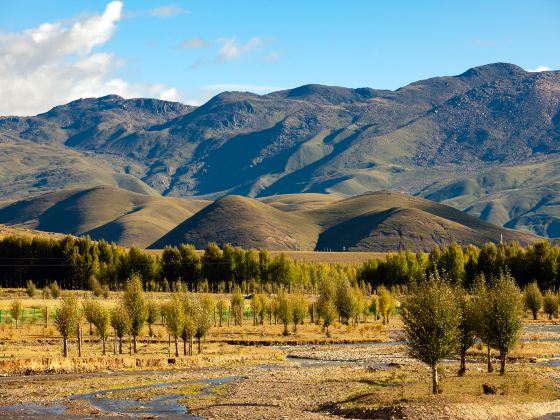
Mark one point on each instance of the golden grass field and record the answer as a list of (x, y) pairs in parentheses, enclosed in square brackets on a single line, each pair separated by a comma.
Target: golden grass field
[(363, 370)]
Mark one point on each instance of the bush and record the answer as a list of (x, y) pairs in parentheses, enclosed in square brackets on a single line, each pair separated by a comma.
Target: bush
[(550, 304), (16, 311), (30, 289), (55, 290), (533, 299)]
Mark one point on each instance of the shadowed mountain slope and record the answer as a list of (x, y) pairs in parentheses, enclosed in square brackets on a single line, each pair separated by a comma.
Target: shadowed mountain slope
[(380, 221), (435, 138), (103, 213)]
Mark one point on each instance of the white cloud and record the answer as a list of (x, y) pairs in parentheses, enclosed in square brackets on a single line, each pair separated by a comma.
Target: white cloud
[(167, 11), (260, 89), (273, 56), (53, 64), (539, 69), (233, 50), (192, 43)]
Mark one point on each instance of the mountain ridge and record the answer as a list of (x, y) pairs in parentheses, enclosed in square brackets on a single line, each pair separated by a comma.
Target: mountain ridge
[(421, 139)]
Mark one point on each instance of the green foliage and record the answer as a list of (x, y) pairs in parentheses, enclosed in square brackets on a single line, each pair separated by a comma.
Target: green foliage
[(55, 290), (237, 306), (204, 318), (467, 326), (30, 289), (299, 308), (16, 311), (133, 300), (102, 323), (550, 304), (120, 321), (431, 318), (174, 318), (504, 303), (89, 307), (66, 319), (345, 301), (387, 303), (533, 299), (328, 315), (152, 314), (284, 310)]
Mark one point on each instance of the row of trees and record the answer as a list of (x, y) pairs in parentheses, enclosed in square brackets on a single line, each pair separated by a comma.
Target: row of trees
[(539, 262), (79, 263), (186, 316), (441, 320)]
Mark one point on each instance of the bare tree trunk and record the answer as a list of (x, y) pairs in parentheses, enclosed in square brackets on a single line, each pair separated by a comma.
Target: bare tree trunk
[(490, 367), (176, 346), (130, 344), (135, 351), (434, 380), (120, 345), (502, 363), (191, 346), (79, 340), (65, 346), (463, 367), (199, 347), (184, 347), (104, 340), (169, 345)]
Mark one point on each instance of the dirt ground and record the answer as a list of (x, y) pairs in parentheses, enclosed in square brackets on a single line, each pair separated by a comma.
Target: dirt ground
[(313, 382), (252, 372)]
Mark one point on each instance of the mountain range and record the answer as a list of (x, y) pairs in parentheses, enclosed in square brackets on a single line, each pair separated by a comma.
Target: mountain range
[(486, 142)]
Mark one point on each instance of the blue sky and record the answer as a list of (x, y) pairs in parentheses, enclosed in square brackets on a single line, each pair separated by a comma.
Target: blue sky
[(190, 50)]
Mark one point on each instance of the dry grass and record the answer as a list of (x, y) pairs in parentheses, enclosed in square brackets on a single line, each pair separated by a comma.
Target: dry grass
[(413, 387)]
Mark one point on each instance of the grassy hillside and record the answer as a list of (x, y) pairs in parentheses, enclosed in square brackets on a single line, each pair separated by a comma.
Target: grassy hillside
[(15, 231), (522, 197), (246, 222), (382, 221), (103, 213)]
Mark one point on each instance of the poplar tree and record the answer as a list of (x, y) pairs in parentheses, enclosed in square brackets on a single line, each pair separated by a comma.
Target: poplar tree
[(431, 319)]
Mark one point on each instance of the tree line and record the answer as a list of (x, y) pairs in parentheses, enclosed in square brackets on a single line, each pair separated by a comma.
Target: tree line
[(80, 263)]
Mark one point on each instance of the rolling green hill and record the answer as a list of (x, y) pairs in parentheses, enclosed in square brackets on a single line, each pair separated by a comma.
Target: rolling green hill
[(381, 221), (103, 213)]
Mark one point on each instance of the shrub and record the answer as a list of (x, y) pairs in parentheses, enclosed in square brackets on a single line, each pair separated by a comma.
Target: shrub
[(533, 299), (16, 311), (55, 290), (30, 289), (550, 304)]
